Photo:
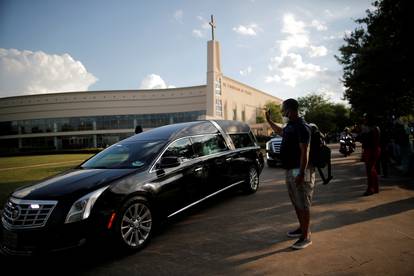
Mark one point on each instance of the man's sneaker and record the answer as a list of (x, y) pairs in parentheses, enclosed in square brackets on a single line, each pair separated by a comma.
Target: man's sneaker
[(301, 243), (294, 234)]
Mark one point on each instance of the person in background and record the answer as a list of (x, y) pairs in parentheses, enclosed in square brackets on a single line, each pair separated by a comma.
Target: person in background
[(370, 139), (385, 141)]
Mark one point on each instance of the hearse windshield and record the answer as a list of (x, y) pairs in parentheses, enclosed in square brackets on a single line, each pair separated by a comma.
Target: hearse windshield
[(128, 155)]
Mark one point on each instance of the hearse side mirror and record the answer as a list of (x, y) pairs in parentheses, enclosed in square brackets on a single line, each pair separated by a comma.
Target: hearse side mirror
[(169, 162)]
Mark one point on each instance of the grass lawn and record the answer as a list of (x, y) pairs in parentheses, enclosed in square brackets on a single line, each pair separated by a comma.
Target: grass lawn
[(22, 170)]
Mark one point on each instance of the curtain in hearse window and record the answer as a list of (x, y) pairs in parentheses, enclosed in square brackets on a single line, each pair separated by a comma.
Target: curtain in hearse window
[(208, 144), (242, 140), (181, 148)]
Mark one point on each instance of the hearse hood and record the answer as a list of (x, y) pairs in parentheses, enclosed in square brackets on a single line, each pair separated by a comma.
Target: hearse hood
[(73, 183)]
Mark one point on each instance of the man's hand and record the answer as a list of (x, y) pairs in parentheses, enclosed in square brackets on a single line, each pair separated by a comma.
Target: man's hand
[(268, 117), (299, 180), (276, 129)]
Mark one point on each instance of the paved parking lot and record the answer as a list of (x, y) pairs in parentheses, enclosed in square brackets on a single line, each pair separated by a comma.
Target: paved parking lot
[(245, 235)]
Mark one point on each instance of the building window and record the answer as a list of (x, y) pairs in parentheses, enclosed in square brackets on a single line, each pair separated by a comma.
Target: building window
[(218, 86), (243, 116), (101, 122), (219, 107), (235, 114)]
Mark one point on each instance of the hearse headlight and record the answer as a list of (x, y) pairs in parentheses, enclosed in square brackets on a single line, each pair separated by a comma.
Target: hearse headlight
[(268, 146), (82, 207)]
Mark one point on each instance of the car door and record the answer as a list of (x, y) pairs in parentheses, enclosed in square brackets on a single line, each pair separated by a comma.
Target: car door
[(216, 162), (245, 155), (178, 186)]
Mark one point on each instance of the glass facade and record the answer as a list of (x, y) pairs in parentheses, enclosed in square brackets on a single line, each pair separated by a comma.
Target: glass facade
[(84, 124)]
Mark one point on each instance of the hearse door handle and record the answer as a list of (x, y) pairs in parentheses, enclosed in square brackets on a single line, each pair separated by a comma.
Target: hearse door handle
[(198, 169), (228, 159)]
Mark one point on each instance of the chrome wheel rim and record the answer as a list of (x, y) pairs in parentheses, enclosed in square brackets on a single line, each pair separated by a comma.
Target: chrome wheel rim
[(254, 179), (136, 224)]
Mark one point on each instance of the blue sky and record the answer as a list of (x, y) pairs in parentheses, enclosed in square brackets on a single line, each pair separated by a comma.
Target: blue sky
[(285, 48)]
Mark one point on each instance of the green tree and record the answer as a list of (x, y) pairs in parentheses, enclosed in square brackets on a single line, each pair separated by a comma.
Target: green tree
[(376, 59), (260, 119), (328, 116), (275, 111)]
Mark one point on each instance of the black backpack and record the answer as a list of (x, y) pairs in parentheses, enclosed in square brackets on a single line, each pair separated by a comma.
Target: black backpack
[(320, 153)]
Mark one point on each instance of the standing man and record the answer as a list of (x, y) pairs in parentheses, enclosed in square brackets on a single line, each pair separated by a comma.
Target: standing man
[(300, 178)]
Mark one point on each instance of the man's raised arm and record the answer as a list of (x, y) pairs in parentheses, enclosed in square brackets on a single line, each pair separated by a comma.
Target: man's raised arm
[(277, 129)]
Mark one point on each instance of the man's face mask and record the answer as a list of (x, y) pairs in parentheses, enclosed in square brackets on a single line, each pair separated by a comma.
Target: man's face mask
[(285, 116)]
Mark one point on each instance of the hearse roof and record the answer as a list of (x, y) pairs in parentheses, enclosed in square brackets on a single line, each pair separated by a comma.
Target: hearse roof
[(174, 131), (232, 127)]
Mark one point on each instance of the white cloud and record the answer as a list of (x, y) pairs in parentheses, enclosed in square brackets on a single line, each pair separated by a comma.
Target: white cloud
[(291, 69), (246, 71), (197, 33), (328, 13), (331, 85), (335, 36), (317, 51), (202, 30), (205, 25), (292, 26), (343, 13), (293, 41), (274, 78), (153, 81), (297, 36), (249, 30), (27, 72), (319, 25), (178, 15)]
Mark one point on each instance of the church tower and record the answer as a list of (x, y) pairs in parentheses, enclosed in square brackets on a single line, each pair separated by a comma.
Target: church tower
[(214, 77)]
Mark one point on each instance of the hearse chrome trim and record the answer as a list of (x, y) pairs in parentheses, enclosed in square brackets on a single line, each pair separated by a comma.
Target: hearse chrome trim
[(201, 200), (26, 214), (226, 136)]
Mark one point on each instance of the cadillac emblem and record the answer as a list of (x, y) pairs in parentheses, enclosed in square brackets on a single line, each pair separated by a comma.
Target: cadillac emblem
[(15, 212)]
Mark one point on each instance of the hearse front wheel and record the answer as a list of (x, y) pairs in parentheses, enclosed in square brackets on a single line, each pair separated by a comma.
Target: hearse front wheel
[(134, 226)]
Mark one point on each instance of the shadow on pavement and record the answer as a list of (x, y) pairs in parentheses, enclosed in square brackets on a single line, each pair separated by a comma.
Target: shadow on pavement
[(336, 219)]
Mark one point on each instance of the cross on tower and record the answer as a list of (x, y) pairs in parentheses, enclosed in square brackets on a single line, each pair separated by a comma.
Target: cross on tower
[(213, 26)]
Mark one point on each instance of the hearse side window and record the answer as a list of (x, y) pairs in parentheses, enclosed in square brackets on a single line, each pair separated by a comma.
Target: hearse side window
[(242, 140), (208, 144), (253, 138), (181, 148)]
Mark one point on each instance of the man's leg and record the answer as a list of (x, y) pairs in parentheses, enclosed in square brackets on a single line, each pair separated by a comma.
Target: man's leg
[(291, 186), (369, 190), (305, 192), (304, 222)]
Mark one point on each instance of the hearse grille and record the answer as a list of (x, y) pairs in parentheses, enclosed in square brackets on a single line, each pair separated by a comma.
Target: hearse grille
[(276, 146), (26, 213)]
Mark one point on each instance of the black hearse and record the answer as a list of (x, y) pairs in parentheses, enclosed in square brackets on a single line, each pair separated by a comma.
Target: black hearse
[(124, 190)]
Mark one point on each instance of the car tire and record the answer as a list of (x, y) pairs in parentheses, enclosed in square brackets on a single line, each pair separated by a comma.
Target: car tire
[(134, 225), (251, 183)]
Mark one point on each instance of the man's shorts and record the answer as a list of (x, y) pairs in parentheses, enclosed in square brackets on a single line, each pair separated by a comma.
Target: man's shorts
[(301, 195)]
